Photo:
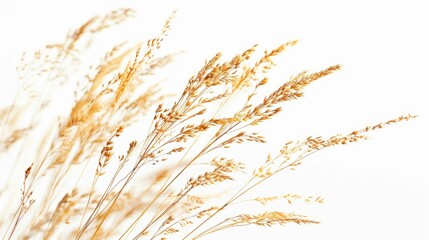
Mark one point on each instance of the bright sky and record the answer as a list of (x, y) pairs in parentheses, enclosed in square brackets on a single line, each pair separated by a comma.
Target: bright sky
[(376, 189)]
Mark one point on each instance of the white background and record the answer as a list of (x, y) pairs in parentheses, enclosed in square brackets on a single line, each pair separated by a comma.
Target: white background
[(376, 189)]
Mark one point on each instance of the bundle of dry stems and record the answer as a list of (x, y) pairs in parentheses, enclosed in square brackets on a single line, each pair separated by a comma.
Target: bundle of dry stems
[(77, 185)]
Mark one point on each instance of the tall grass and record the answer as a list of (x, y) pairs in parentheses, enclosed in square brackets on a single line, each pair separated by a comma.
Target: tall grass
[(81, 177)]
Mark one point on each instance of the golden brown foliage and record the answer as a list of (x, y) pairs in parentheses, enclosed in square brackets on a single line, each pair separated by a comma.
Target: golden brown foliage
[(82, 183)]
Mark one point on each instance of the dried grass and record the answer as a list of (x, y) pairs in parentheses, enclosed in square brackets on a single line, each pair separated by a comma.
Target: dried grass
[(153, 189)]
